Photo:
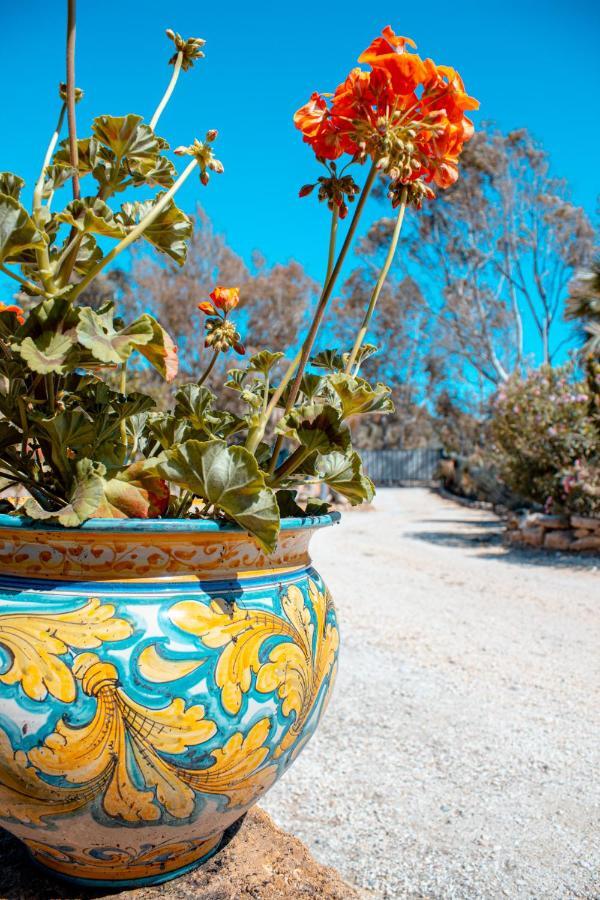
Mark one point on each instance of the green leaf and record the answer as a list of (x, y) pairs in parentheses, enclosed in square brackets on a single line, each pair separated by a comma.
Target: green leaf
[(18, 231), (332, 360), (86, 495), (88, 254), (161, 350), (70, 431), (289, 508), (357, 397), (92, 215), (311, 385), (11, 184), (170, 231), (344, 473), (136, 493), (264, 361), (97, 333), (159, 171), (55, 176), (48, 353), (365, 352), (229, 478), (236, 379), (87, 155), (317, 427), (194, 403), (127, 137)]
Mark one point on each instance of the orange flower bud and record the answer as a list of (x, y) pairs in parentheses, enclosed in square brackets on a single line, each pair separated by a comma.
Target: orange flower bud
[(13, 309), (207, 308), (224, 298)]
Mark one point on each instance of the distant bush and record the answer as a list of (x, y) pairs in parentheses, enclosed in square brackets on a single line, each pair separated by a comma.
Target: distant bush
[(546, 434)]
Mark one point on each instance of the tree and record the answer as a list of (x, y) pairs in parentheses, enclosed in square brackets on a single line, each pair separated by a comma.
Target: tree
[(399, 330), (493, 257)]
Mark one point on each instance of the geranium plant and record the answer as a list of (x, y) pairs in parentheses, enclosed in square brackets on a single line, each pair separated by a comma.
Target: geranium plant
[(75, 438)]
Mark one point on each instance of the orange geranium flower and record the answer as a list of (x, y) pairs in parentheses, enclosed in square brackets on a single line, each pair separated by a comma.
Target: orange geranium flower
[(406, 69), (13, 309), (224, 299), (406, 114)]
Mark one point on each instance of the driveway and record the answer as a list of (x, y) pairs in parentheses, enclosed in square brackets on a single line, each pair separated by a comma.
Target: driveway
[(459, 757)]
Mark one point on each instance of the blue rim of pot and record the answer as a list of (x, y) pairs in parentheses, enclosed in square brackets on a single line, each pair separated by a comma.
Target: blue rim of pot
[(186, 526)]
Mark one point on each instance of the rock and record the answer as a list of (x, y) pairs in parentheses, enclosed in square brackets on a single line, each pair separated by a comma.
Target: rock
[(583, 532), (547, 521), (587, 543), (260, 862), (585, 522), (559, 540), (533, 536)]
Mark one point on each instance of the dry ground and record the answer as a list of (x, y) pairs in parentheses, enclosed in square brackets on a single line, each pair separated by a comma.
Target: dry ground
[(459, 757)]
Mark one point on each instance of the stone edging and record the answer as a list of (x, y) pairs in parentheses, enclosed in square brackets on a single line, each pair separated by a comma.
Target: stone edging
[(554, 532)]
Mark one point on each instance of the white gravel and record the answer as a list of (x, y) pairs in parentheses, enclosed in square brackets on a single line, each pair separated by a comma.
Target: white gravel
[(459, 757)]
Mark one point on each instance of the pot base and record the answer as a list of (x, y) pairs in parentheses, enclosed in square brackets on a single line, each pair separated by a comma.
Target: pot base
[(121, 868)]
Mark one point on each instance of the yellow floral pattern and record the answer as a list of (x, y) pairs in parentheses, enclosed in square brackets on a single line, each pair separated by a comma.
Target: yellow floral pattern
[(97, 759), (296, 667), (36, 641), (124, 757)]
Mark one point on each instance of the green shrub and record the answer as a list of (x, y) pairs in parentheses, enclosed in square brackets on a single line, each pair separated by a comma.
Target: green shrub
[(546, 435)]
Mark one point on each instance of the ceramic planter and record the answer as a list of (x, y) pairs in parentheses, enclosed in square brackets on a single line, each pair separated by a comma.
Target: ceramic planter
[(156, 677)]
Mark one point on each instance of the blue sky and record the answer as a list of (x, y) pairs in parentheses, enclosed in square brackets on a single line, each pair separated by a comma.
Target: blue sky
[(533, 64)]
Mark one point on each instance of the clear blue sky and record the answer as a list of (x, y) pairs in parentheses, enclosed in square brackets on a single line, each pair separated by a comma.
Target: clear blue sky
[(531, 63)]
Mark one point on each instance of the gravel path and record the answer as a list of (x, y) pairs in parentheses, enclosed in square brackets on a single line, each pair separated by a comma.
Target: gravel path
[(459, 757)]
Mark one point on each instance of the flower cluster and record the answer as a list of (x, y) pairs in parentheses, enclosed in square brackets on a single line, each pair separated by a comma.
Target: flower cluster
[(337, 189), (406, 114), (202, 151), (221, 334)]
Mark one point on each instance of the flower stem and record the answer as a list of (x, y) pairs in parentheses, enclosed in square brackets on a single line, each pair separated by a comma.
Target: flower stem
[(73, 149), (123, 390), (323, 301), (209, 368), (136, 232), (168, 92), (37, 194), (378, 285), (28, 284)]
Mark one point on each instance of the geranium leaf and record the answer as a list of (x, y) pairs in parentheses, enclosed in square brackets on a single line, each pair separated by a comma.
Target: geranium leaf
[(18, 231), (316, 427), (48, 353), (158, 171), (343, 472), (55, 176), (127, 137), (332, 360), (170, 231), (264, 361), (92, 215), (97, 333), (88, 254), (161, 350), (357, 397), (11, 184), (85, 497), (136, 493), (229, 478)]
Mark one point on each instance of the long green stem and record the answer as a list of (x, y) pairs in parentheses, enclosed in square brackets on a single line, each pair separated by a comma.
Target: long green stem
[(289, 465), (39, 187), (209, 368), (136, 232), (28, 284), (73, 148), (168, 92), (322, 304), (378, 285), (335, 216), (123, 390)]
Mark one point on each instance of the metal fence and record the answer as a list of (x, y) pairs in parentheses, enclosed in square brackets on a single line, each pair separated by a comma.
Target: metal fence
[(401, 466)]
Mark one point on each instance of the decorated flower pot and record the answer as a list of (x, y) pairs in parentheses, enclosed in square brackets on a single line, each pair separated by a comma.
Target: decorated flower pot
[(156, 678)]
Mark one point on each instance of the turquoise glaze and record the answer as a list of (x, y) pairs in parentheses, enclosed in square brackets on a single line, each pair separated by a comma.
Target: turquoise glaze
[(156, 678)]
